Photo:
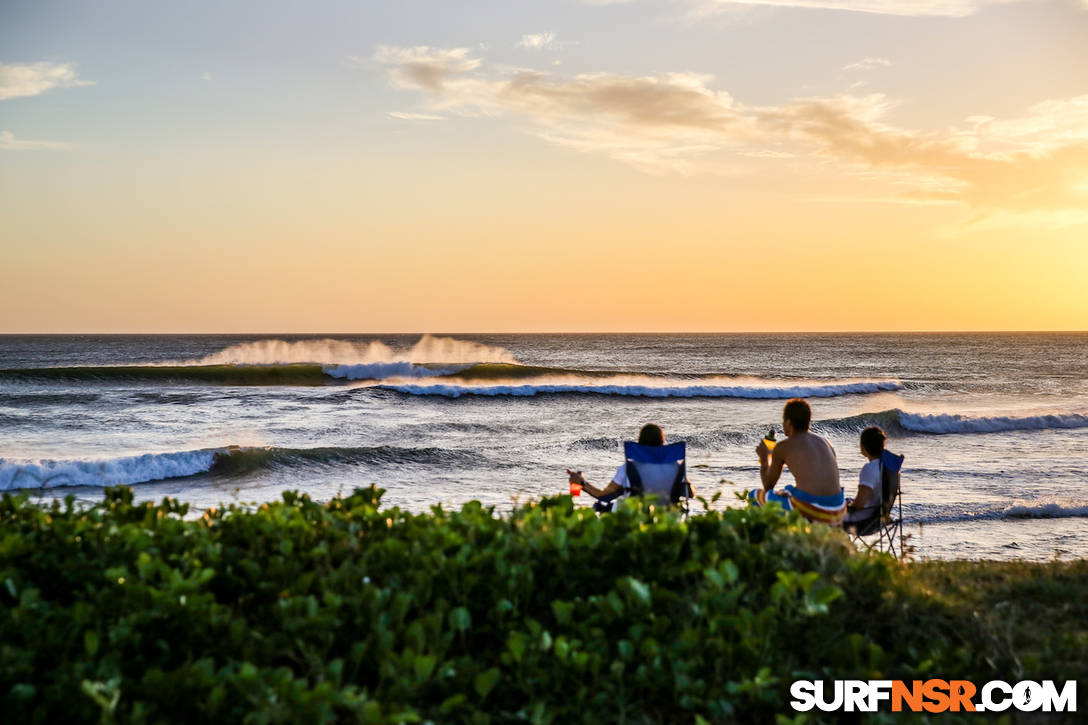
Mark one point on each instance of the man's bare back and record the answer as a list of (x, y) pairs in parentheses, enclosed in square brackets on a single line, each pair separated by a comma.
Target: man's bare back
[(811, 460)]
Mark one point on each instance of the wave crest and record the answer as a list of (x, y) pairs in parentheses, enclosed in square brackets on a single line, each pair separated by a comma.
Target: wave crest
[(950, 423), (1044, 510), (902, 422), (700, 390), (227, 461), (107, 472)]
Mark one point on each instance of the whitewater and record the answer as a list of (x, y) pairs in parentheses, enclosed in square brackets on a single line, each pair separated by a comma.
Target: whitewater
[(993, 427)]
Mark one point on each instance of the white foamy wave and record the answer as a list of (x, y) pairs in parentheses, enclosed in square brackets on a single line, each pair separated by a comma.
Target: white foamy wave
[(950, 423), (385, 370), (1046, 511), (957, 514), (814, 390), (105, 472), (428, 349)]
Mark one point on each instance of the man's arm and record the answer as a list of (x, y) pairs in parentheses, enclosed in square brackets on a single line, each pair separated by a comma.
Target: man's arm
[(770, 470)]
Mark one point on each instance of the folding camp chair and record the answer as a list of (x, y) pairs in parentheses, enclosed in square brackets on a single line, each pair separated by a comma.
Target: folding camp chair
[(653, 470), (886, 518)]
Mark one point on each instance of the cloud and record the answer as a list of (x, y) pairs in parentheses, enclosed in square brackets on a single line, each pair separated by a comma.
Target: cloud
[(940, 8), (673, 103), (414, 116), (537, 41), (8, 142), (999, 165), (767, 154), (206, 75), (868, 64), (679, 123), (1046, 126), (32, 79), (424, 67)]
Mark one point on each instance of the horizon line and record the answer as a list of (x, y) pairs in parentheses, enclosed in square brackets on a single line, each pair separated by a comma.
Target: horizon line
[(565, 332)]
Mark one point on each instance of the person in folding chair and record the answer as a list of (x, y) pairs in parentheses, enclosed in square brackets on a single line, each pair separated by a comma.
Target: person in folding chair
[(650, 468), (815, 493), (870, 512)]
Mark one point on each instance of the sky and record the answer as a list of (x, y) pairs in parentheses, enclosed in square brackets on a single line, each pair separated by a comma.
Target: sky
[(543, 166)]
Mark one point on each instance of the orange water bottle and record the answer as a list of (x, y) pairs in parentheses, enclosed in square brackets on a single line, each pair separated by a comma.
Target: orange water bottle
[(575, 488)]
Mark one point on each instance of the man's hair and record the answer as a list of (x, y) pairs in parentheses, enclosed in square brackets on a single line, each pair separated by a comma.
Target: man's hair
[(651, 435), (872, 440), (798, 414)]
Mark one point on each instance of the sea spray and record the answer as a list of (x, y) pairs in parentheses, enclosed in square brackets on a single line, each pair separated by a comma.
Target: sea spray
[(428, 349)]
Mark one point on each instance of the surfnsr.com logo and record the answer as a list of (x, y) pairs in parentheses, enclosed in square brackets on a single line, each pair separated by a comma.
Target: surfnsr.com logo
[(933, 696)]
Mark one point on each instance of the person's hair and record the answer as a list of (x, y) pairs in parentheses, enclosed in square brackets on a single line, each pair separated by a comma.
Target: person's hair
[(798, 413), (872, 440), (651, 435)]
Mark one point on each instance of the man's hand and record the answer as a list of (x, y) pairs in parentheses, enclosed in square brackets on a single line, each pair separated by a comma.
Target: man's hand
[(576, 477), (770, 464)]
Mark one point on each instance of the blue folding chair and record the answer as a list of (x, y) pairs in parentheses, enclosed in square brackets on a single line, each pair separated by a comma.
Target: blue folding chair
[(880, 520), (652, 470)]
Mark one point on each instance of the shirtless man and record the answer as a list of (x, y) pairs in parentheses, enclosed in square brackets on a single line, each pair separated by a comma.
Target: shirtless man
[(810, 457)]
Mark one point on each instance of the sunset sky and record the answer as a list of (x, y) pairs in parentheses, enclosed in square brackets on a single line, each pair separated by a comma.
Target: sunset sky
[(543, 165)]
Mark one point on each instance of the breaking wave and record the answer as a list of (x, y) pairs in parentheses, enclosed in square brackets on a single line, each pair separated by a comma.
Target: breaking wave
[(654, 389), (428, 349), (1046, 511), (299, 373), (107, 472), (436, 370), (228, 461), (308, 362), (946, 423), (1049, 510)]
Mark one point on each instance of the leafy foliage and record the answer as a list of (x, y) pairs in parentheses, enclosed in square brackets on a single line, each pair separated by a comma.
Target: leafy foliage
[(306, 612)]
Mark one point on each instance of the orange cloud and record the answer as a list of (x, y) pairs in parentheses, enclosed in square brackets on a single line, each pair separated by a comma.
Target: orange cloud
[(677, 123)]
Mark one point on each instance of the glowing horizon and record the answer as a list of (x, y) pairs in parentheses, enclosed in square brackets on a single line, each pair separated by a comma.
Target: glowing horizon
[(425, 166)]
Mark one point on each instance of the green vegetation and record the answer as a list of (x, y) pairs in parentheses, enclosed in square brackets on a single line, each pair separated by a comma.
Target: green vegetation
[(307, 612)]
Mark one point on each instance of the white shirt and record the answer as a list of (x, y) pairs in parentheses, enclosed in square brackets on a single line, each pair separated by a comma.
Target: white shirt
[(870, 478), (621, 475)]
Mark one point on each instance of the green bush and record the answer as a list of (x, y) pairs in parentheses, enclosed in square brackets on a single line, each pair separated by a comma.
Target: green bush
[(307, 612)]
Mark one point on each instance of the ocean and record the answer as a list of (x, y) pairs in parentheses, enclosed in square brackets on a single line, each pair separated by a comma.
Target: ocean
[(994, 427)]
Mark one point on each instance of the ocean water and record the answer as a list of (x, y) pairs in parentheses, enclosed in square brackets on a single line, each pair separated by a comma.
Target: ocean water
[(994, 427)]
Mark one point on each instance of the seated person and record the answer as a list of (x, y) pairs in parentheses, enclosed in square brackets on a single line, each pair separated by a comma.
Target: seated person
[(816, 493), (870, 490), (650, 435)]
